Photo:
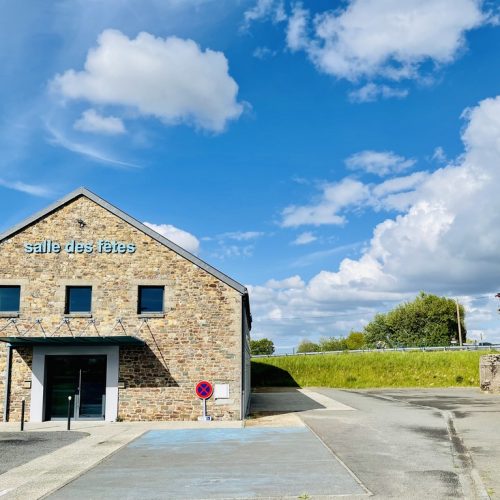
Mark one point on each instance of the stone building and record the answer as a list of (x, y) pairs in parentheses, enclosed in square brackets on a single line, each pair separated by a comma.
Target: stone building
[(97, 306)]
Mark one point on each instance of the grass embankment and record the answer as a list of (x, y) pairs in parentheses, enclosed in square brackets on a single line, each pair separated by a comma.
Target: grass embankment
[(370, 370)]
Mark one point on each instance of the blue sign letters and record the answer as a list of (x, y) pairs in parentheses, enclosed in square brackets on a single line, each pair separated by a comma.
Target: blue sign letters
[(73, 246)]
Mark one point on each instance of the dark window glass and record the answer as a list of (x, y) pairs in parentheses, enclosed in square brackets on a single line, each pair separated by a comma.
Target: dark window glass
[(78, 299), (10, 298), (150, 299)]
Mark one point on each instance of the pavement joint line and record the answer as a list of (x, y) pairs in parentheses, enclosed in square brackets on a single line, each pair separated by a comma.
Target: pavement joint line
[(313, 497), (341, 462), (459, 451)]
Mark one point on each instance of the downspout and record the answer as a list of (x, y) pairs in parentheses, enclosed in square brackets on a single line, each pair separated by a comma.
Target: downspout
[(246, 322), (8, 371)]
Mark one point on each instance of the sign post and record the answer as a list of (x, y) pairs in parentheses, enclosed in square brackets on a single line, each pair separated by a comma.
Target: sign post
[(204, 391)]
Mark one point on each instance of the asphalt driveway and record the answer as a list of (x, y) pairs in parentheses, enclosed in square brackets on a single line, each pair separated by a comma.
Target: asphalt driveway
[(430, 443)]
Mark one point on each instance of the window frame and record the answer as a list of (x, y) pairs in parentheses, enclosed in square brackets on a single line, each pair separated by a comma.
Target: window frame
[(12, 312), (140, 311), (67, 310)]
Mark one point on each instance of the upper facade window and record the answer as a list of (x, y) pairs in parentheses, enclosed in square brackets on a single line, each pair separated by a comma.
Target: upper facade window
[(10, 298), (78, 299), (150, 299)]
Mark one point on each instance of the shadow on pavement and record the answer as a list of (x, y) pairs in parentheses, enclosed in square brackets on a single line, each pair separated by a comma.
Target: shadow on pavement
[(17, 448), (264, 375), (275, 401)]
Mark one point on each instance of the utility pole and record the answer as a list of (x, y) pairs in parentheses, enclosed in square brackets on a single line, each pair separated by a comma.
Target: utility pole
[(459, 325)]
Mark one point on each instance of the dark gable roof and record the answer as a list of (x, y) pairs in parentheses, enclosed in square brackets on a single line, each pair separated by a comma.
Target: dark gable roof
[(138, 225)]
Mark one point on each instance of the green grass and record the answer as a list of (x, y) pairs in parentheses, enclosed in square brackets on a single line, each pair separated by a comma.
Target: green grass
[(370, 370)]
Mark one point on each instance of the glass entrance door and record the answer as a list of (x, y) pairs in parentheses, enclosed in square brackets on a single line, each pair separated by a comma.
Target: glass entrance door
[(92, 387), (81, 377)]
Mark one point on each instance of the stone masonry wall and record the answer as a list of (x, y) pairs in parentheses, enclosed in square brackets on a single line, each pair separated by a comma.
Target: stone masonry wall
[(20, 382), (198, 337), (489, 373)]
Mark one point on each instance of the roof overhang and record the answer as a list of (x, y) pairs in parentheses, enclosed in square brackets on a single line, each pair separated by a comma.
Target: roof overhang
[(73, 341)]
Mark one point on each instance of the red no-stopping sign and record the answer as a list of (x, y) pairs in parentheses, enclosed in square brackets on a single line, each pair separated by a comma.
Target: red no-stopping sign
[(204, 389)]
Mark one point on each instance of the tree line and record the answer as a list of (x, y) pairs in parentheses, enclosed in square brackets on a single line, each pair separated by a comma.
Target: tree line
[(428, 320)]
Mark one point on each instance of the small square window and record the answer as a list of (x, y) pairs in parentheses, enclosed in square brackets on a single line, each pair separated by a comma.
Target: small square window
[(78, 299), (10, 298), (150, 299)]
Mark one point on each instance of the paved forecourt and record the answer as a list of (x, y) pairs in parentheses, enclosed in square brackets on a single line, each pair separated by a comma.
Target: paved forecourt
[(18, 448), (218, 463)]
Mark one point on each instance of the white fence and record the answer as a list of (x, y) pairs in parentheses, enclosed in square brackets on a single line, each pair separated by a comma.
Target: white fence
[(390, 349)]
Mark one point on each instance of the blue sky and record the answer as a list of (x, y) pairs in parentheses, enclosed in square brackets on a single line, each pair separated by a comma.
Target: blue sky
[(336, 157)]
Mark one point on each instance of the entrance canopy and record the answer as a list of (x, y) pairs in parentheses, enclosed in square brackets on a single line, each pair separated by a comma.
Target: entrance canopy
[(117, 340)]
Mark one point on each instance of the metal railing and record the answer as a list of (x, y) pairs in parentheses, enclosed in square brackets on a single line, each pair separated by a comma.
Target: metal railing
[(389, 349)]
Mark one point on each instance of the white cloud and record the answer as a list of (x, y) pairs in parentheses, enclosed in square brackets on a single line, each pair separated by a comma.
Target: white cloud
[(291, 282), (229, 251), (384, 38), (171, 79), (335, 197), (264, 53), (325, 255), (287, 314), (241, 235), (379, 162), (439, 155), (304, 238), (265, 9), (371, 92), (296, 33), (57, 138), (23, 187), (233, 244), (398, 193), (92, 121), (180, 237), (445, 241), (339, 198)]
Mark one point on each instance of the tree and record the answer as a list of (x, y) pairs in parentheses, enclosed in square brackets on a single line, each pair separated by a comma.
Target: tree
[(355, 340), (332, 344), (262, 346), (307, 346), (427, 321)]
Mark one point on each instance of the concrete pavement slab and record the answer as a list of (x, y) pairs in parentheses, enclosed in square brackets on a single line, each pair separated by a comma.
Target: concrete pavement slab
[(49, 472), (218, 463)]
